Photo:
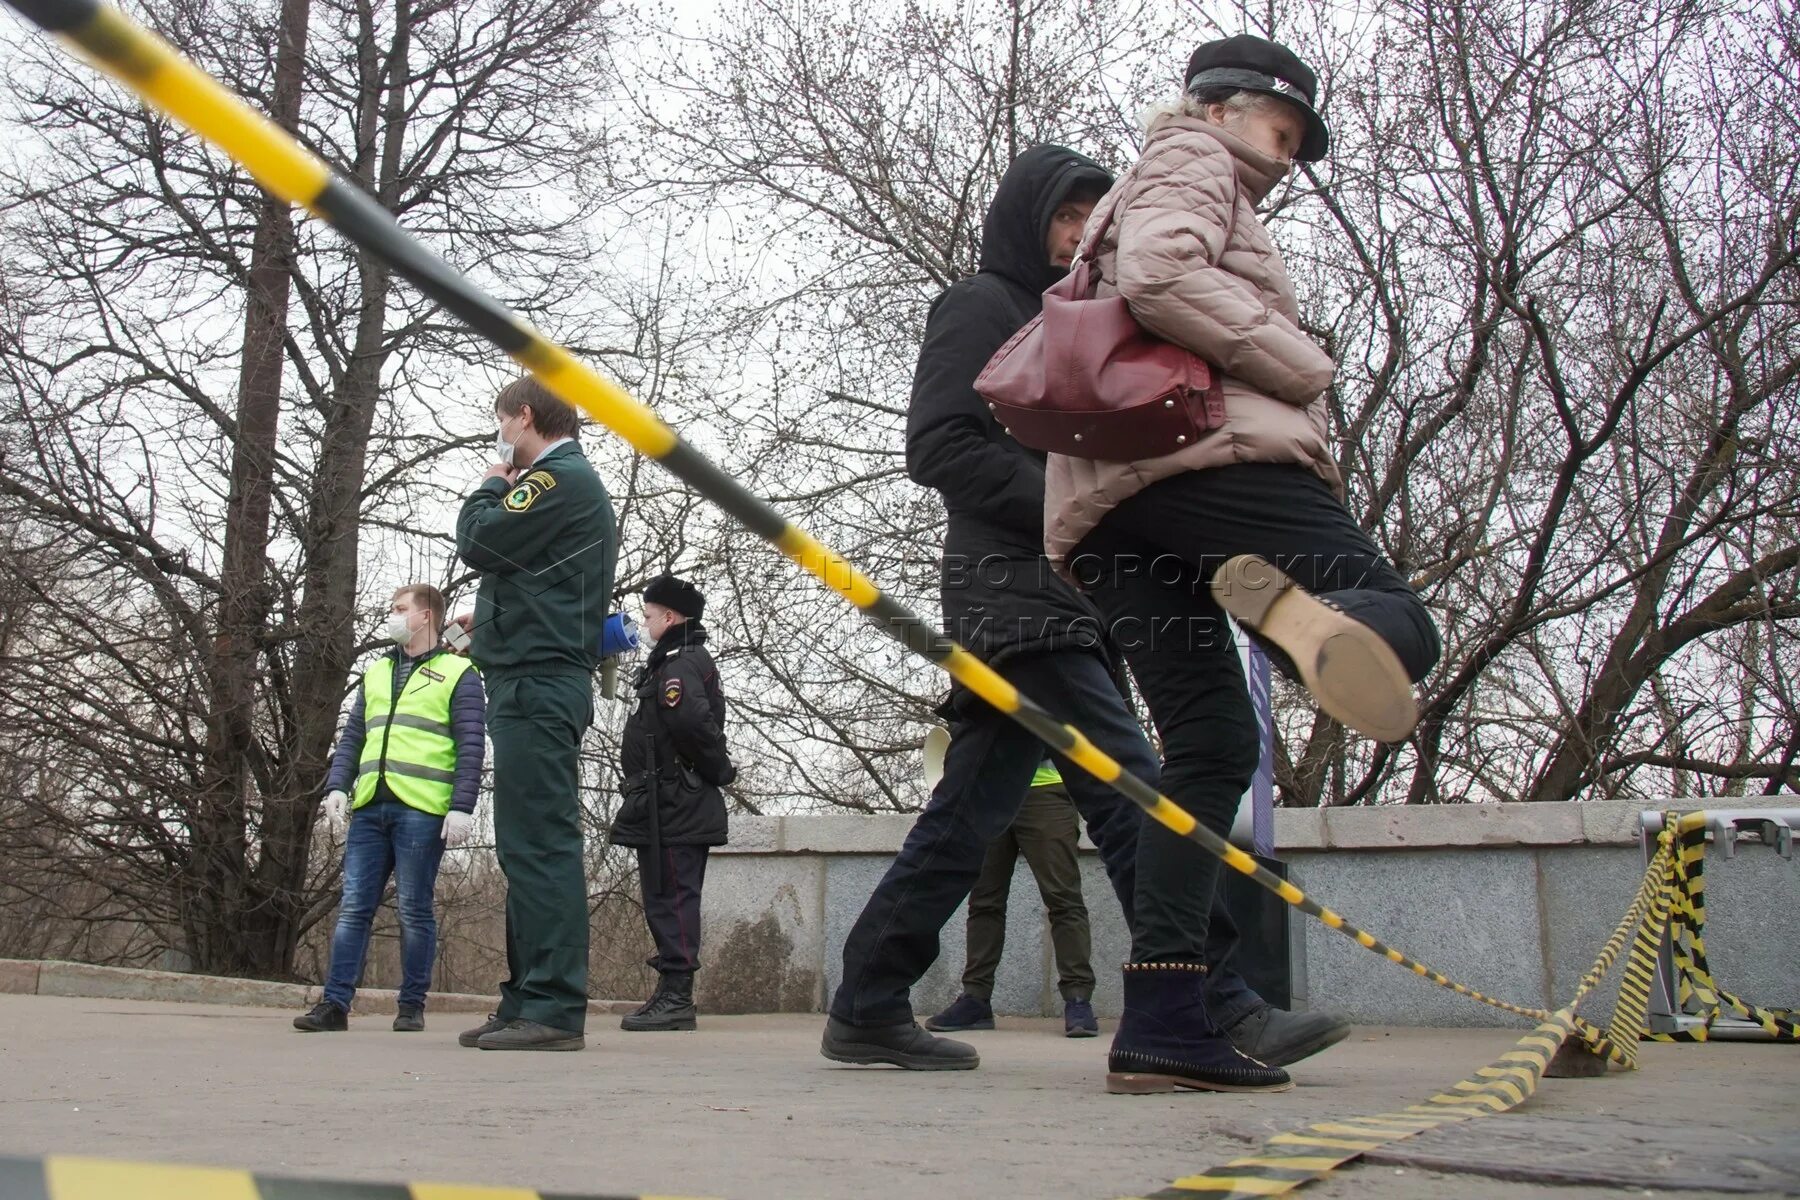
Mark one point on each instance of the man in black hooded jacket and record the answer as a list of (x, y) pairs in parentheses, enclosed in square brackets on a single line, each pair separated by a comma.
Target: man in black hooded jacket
[(1001, 599)]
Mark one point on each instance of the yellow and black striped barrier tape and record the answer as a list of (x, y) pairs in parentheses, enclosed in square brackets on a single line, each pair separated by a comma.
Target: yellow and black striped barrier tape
[(1670, 898), (148, 66), (1696, 992), (66, 1178), (163, 78)]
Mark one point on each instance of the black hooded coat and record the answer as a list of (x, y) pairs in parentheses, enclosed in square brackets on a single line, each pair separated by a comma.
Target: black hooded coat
[(1000, 596)]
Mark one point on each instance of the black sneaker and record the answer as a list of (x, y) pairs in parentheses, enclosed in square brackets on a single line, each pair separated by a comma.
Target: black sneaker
[(1079, 1020), (531, 1035), (410, 1019), (469, 1037), (324, 1017), (905, 1046), (965, 1012)]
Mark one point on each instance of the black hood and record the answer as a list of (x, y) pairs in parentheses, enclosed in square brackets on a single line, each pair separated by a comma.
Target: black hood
[(1012, 236)]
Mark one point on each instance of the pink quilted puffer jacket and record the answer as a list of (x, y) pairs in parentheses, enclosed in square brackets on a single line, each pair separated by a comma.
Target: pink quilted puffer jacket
[(1196, 265)]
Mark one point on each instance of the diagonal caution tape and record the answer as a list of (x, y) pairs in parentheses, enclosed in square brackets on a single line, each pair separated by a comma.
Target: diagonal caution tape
[(164, 79), (66, 1178), (148, 66)]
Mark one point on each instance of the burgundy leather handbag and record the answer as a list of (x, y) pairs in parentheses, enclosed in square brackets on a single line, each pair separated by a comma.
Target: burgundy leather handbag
[(1083, 378)]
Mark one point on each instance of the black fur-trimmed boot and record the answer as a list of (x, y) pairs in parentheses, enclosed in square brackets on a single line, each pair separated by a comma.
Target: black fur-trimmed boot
[(1167, 1041), (671, 1008)]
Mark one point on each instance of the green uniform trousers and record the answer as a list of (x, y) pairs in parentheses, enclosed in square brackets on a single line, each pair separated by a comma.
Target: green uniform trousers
[(1047, 832), (535, 722)]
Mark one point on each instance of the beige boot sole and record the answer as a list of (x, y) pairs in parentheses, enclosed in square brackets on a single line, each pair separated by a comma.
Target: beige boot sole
[(1354, 675)]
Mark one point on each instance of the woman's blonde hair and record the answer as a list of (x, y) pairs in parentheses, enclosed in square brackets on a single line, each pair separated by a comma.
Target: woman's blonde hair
[(1195, 104)]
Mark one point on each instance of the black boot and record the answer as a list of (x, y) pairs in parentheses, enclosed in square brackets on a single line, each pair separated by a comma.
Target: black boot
[(672, 1006), (323, 1017), (1167, 1041), (896, 1045)]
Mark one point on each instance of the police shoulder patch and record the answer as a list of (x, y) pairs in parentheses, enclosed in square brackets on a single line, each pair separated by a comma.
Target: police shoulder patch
[(671, 693)]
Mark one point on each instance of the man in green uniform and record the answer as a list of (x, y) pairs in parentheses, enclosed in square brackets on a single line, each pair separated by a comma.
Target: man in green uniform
[(539, 530)]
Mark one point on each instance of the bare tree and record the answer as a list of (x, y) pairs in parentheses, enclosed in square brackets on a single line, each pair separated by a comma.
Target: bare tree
[(1553, 252), (181, 709)]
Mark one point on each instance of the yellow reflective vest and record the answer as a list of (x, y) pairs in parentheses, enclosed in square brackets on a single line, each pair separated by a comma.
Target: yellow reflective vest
[(407, 740)]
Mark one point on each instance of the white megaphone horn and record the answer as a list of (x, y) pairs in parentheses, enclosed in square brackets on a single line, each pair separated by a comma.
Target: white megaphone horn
[(937, 744)]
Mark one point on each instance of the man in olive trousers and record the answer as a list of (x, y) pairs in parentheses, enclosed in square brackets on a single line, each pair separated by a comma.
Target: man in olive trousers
[(539, 529)]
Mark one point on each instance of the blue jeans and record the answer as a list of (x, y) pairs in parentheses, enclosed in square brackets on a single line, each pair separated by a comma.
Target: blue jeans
[(387, 838)]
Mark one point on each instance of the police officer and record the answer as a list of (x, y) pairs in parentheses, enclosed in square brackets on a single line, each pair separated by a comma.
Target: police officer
[(673, 761), (539, 530)]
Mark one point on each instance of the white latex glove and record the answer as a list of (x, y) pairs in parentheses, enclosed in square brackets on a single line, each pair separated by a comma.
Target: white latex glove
[(336, 808), (457, 827)]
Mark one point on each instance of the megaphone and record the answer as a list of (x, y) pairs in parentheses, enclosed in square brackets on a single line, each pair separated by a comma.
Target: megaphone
[(618, 636), (937, 744)]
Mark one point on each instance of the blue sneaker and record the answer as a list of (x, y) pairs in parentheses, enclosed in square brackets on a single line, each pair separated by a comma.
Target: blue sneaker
[(1078, 1019), (965, 1012)]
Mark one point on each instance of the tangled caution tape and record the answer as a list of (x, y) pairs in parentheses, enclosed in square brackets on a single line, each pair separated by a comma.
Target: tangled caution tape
[(1692, 988), (1671, 900), (63, 1178)]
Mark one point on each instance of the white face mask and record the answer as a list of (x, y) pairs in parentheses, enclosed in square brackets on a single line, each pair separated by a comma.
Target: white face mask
[(503, 449), (399, 629)]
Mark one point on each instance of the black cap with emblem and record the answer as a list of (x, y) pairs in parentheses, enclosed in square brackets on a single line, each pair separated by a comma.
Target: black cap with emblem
[(1247, 63)]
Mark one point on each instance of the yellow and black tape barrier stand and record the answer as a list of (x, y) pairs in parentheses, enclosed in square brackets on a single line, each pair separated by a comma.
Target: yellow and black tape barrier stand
[(1696, 992), (65, 1178), (151, 68)]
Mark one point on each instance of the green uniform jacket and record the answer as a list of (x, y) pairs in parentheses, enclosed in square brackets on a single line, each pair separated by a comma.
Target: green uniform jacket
[(545, 549)]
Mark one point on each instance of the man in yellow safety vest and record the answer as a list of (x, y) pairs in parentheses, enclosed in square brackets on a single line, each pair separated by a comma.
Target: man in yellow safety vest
[(405, 777)]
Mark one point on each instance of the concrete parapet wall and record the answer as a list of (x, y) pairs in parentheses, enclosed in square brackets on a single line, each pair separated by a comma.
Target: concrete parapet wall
[(1514, 900)]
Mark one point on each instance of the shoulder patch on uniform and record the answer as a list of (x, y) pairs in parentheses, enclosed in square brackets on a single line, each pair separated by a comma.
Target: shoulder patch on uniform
[(671, 693), (525, 493)]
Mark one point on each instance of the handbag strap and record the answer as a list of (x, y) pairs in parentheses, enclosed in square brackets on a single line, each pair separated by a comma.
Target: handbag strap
[(1085, 255)]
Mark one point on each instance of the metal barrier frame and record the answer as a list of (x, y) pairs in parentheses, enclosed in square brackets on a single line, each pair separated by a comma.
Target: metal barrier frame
[(1729, 828)]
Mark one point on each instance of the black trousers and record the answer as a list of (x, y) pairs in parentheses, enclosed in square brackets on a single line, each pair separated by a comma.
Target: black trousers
[(1147, 566), (673, 910), (987, 772)]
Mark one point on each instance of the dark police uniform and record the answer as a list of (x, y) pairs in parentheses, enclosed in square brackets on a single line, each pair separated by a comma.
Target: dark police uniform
[(545, 548), (672, 816)]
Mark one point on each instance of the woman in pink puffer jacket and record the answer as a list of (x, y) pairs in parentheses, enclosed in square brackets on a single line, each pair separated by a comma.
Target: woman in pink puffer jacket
[(1248, 520)]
